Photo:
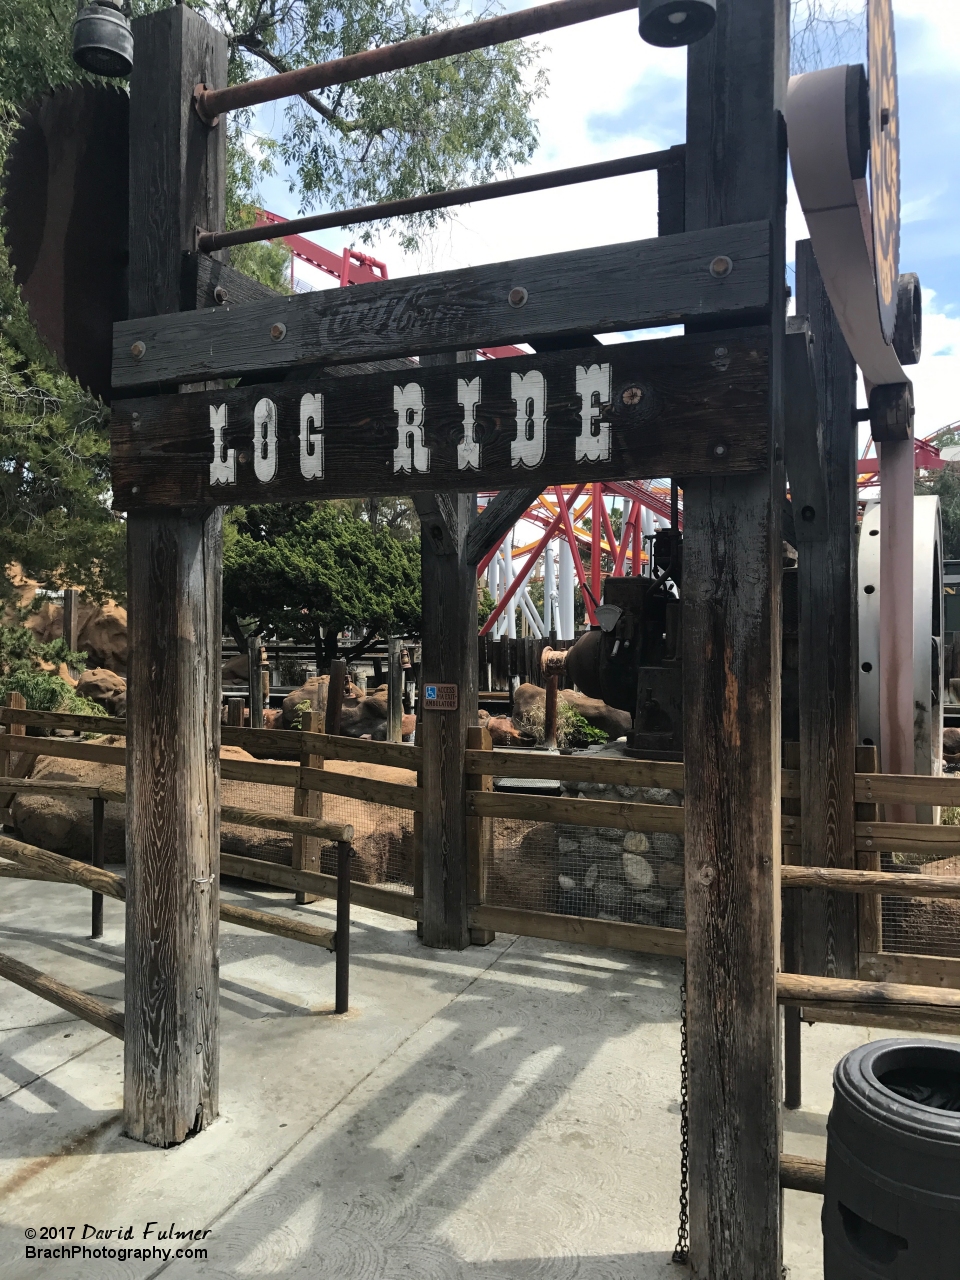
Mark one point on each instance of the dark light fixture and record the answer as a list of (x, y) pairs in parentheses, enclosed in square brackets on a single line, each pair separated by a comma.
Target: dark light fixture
[(103, 39), (669, 23)]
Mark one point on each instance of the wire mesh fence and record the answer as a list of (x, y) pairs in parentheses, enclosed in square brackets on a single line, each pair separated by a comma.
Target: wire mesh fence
[(597, 872), (383, 835), (921, 926)]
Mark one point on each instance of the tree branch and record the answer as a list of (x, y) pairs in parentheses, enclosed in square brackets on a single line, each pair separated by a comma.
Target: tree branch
[(251, 43)]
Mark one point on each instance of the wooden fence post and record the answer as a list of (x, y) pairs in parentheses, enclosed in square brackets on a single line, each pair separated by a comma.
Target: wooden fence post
[(450, 657), (870, 904), (335, 692), (171, 1045), (735, 172), (16, 702), (96, 860), (394, 690), (255, 681), (308, 804), (828, 649), (479, 838)]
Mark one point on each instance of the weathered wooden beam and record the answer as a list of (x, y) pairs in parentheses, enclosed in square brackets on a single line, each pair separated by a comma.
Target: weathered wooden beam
[(372, 896), (604, 290), (732, 550), (803, 437), (648, 939), (800, 1173), (449, 656), (172, 1041), (207, 282), (900, 884), (624, 815), (577, 768), (625, 410), (827, 596), (89, 1008), (496, 519)]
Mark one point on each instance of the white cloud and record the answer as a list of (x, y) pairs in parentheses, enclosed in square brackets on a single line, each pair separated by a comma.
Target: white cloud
[(936, 379)]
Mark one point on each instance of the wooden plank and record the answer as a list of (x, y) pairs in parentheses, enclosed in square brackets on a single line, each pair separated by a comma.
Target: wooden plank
[(694, 412), (449, 656), (358, 750), (63, 749), (480, 843), (362, 895), (496, 519), (89, 1008), (583, 813), (826, 532), (397, 794), (892, 788), (923, 971), (172, 1044), (207, 282), (895, 1018), (305, 853), (909, 837), (45, 787), (870, 906), (56, 720), (803, 990), (890, 882), (800, 1173), (603, 290), (731, 605), (279, 926), (576, 768), (302, 825), (591, 933), (269, 773)]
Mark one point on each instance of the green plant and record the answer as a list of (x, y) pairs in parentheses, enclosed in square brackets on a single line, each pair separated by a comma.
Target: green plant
[(44, 691), (572, 729), (299, 709)]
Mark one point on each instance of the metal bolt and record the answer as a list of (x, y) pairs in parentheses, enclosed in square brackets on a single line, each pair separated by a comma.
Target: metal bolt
[(719, 450), (135, 489), (138, 350), (220, 294), (517, 297), (632, 395), (721, 266), (278, 332), (243, 457), (720, 351)]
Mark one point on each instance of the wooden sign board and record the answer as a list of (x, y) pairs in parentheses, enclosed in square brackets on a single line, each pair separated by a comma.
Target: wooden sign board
[(676, 406), (440, 697)]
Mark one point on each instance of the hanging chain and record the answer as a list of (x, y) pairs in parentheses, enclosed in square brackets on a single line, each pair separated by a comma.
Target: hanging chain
[(681, 1253)]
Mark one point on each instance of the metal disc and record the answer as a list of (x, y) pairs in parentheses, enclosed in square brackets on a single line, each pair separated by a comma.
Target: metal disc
[(884, 160), (65, 223)]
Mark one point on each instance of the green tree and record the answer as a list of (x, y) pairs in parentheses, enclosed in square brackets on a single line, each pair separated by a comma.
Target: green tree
[(307, 572), (946, 485)]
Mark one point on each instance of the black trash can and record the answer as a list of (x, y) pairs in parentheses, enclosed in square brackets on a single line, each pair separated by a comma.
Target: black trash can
[(891, 1203)]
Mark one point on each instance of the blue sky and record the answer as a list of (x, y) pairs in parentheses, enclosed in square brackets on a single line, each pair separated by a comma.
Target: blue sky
[(612, 95)]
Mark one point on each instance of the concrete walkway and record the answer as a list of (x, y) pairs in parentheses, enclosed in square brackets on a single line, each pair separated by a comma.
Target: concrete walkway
[(508, 1112)]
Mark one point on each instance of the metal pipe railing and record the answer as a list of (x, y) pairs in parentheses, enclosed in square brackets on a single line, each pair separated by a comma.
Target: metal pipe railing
[(407, 53), (209, 241)]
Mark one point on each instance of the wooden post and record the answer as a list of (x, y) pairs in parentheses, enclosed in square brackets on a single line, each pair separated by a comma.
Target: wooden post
[(344, 852), (337, 688), (96, 860), (235, 710), (735, 171), (307, 803), (550, 714), (16, 702), (255, 681), (71, 608), (394, 690), (171, 1046), (479, 838), (870, 904), (827, 584), (450, 656), (790, 940)]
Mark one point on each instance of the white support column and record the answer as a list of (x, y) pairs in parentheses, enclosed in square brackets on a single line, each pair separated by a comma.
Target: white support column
[(548, 589), (565, 592), (511, 609)]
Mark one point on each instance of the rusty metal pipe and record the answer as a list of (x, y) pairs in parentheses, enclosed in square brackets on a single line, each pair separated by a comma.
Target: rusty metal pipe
[(212, 240), (408, 53)]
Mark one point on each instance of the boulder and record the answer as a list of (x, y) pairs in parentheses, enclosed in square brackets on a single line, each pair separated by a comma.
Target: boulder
[(636, 842), (670, 875), (614, 723), (637, 871), (236, 671), (105, 688)]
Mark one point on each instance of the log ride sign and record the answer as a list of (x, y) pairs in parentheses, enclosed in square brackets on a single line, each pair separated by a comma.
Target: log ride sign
[(440, 697), (681, 406)]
